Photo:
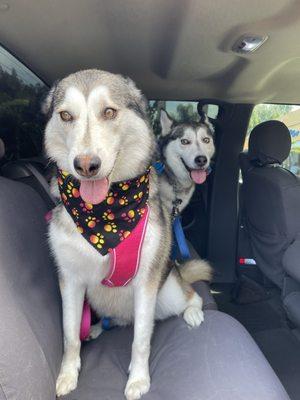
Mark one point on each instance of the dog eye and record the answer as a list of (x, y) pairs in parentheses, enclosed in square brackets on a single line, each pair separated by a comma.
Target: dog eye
[(185, 141), (110, 113), (66, 116), (206, 140)]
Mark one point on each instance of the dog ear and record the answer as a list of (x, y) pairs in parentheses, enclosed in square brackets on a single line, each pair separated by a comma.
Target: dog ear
[(47, 103), (205, 120), (166, 122)]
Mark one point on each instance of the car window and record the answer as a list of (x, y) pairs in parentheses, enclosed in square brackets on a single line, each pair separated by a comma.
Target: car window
[(21, 122), (290, 116), (180, 111)]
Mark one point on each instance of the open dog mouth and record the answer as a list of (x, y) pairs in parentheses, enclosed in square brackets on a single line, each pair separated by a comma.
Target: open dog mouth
[(197, 175)]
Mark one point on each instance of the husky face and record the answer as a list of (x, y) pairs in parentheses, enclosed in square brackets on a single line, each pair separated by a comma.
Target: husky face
[(187, 149), (98, 128)]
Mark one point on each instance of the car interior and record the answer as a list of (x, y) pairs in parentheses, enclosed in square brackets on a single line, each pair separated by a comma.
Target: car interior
[(237, 61)]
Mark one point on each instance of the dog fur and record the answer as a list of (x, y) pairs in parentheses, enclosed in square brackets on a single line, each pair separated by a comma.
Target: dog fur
[(179, 159), (125, 146)]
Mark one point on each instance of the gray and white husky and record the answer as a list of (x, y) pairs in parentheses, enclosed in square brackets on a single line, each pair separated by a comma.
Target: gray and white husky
[(186, 151), (96, 115)]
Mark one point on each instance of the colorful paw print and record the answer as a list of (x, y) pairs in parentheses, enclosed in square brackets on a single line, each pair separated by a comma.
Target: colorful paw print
[(111, 227), (129, 216), (108, 215), (138, 197), (86, 207), (64, 198), (141, 211), (142, 179), (79, 228), (72, 192), (97, 240), (124, 186), (91, 221), (123, 201), (123, 234), (75, 212), (111, 198)]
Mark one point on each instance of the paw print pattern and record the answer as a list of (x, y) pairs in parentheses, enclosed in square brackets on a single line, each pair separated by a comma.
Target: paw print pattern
[(123, 234), (124, 185), (141, 211), (108, 215), (129, 216), (75, 212), (123, 201), (86, 207), (72, 191), (110, 222), (79, 228), (111, 197), (91, 222), (138, 197), (141, 180), (97, 240), (110, 227)]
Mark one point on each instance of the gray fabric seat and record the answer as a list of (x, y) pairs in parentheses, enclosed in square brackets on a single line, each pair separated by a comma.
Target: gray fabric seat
[(271, 203), (219, 360), (271, 197)]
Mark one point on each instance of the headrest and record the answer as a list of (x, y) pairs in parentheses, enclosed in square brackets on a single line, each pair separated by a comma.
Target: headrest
[(2, 149), (269, 143)]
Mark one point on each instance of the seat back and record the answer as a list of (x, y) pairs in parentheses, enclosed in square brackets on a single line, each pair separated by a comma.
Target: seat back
[(271, 197), (30, 308)]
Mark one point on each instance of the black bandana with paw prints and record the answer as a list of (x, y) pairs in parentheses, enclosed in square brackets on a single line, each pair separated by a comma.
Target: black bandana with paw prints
[(107, 224)]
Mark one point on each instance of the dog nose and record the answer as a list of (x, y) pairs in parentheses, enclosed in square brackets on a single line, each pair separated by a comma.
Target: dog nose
[(87, 165), (201, 161)]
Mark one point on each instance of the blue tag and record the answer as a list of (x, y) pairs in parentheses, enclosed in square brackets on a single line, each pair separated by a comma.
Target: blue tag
[(159, 166), (106, 324)]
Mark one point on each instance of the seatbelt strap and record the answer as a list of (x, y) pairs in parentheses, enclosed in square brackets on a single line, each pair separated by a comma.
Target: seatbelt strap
[(43, 182)]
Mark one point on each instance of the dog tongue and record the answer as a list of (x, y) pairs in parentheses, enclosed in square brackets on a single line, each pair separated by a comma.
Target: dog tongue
[(94, 192), (198, 175)]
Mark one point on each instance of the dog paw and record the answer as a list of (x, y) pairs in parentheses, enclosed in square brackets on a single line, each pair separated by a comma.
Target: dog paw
[(193, 316), (66, 382), (136, 388), (95, 331)]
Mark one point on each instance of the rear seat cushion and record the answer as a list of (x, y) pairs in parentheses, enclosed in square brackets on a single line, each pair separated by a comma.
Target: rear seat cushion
[(218, 360), (30, 306)]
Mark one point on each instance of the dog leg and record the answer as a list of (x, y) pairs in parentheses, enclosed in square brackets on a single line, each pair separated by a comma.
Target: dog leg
[(139, 379), (72, 299)]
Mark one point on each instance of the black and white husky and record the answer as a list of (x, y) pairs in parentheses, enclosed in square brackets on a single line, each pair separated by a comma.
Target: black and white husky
[(98, 134), (186, 151)]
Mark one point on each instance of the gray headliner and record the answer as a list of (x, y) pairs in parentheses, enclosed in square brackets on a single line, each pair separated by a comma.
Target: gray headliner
[(173, 49)]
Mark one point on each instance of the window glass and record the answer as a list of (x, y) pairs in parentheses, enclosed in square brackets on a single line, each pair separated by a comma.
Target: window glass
[(290, 116), (21, 122), (180, 111)]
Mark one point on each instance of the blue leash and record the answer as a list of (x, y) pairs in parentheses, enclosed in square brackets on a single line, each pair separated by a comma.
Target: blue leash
[(179, 245)]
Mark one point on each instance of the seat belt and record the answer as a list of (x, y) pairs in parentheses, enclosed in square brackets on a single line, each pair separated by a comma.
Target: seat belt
[(43, 182)]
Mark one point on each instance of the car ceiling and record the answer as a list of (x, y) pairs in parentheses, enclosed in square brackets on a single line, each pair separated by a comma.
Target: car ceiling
[(173, 49)]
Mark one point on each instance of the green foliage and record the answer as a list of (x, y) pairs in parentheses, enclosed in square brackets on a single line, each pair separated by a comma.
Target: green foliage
[(21, 122), (265, 112), (184, 114)]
